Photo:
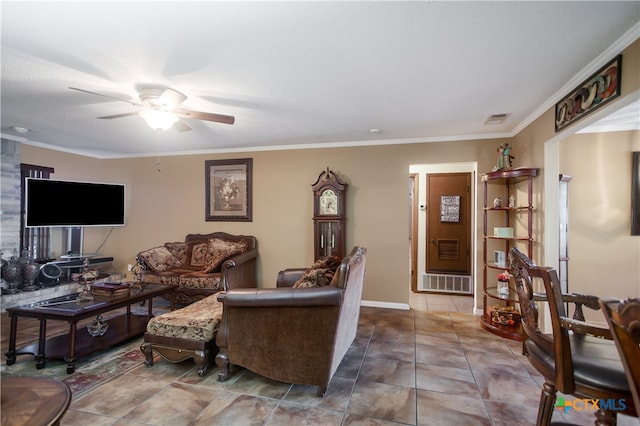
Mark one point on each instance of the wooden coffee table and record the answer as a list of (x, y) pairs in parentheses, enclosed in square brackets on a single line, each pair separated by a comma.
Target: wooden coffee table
[(78, 342)]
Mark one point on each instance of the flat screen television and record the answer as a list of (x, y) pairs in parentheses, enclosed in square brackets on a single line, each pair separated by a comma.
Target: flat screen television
[(51, 202)]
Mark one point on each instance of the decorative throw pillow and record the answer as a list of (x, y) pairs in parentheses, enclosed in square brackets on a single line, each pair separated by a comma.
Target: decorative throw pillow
[(180, 250), (321, 272), (329, 262), (159, 259), (315, 278), (199, 254), (219, 250)]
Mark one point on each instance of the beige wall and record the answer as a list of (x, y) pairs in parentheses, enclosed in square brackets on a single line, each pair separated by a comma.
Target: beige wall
[(167, 204), (605, 257)]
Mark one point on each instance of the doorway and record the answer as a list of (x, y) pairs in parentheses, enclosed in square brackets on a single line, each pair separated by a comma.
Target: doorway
[(442, 278)]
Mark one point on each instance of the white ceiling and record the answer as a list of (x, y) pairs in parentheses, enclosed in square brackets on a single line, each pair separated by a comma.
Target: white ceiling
[(296, 74)]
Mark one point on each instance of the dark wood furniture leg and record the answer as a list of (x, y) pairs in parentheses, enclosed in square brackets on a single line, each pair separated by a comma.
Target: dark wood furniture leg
[(71, 354), (222, 361), (11, 354), (547, 400), (175, 349), (41, 357)]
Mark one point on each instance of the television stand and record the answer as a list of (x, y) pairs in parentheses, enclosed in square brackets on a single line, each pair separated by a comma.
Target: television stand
[(71, 256), (72, 265)]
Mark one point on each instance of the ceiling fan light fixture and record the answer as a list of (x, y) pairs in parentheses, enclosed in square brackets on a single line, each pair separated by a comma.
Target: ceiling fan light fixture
[(158, 119)]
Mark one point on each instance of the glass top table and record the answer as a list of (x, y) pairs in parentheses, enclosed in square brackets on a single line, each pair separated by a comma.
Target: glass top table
[(80, 342)]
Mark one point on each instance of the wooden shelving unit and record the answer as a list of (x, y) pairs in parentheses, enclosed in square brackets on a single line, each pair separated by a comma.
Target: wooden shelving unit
[(504, 184)]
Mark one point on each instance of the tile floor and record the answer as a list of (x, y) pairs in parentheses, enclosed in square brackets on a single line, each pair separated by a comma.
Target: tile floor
[(431, 365)]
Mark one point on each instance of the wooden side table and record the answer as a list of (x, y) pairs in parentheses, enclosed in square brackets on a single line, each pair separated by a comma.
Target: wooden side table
[(34, 401)]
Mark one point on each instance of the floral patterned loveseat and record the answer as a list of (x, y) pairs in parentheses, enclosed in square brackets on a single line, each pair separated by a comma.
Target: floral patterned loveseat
[(202, 265)]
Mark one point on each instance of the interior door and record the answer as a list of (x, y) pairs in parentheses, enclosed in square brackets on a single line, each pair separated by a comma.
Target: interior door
[(448, 223)]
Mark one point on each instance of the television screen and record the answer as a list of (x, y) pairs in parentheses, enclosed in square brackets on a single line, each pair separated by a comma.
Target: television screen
[(66, 203)]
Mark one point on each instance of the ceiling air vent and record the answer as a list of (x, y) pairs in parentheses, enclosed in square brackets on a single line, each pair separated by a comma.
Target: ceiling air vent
[(496, 118)]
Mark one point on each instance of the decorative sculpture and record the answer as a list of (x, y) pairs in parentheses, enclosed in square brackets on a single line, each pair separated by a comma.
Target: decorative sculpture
[(504, 157)]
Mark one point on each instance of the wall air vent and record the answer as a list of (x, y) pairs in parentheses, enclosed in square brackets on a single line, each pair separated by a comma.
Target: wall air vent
[(445, 283), (496, 118)]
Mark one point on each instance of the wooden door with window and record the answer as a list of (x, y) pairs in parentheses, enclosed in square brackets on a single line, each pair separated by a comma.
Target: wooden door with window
[(448, 223)]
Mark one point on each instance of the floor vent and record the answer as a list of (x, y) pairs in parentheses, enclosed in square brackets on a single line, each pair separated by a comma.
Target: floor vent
[(459, 284)]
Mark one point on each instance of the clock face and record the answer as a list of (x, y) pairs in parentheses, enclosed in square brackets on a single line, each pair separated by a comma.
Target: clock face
[(328, 202)]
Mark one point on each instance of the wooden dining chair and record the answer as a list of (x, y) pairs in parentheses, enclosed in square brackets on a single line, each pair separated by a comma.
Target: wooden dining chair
[(623, 317), (577, 358)]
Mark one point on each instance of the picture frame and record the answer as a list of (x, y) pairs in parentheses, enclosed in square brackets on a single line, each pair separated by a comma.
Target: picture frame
[(228, 190), (635, 193), (596, 91)]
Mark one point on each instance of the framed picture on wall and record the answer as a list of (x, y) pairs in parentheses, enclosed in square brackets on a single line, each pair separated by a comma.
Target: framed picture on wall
[(228, 190)]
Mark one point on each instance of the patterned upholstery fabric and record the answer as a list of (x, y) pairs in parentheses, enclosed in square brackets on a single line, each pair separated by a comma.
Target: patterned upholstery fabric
[(160, 259), (162, 278), (321, 273), (180, 250), (315, 278), (199, 255), (198, 267), (185, 279), (198, 321), (218, 250)]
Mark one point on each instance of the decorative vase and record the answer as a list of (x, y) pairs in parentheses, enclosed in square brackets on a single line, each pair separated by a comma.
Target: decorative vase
[(12, 274), (3, 262), (98, 327), (30, 272)]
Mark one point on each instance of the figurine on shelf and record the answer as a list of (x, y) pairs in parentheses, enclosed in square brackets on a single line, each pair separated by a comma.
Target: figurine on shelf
[(138, 276), (504, 157), (87, 275)]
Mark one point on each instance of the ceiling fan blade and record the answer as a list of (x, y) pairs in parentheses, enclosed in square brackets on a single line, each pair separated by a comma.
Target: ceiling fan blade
[(126, 114), (206, 116), (171, 98), (106, 96), (181, 126)]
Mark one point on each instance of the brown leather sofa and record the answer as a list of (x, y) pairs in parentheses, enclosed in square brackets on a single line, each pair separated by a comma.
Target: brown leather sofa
[(292, 335), (188, 264)]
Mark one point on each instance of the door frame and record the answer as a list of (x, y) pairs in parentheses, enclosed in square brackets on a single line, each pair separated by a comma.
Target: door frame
[(414, 191), (419, 235)]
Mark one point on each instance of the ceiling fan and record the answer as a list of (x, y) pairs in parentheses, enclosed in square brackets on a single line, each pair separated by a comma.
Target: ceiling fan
[(159, 108)]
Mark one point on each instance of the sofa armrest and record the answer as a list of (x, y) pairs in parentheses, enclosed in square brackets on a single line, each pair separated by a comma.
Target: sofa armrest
[(289, 276), (239, 271), (282, 297)]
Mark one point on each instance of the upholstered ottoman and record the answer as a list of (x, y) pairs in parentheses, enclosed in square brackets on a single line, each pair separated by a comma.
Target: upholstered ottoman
[(188, 332)]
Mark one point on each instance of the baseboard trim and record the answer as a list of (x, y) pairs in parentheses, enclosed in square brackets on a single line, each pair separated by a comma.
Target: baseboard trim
[(386, 305)]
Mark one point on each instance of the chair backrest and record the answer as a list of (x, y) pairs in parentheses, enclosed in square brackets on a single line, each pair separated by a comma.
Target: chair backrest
[(525, 271), (623, 318), (351, 279)]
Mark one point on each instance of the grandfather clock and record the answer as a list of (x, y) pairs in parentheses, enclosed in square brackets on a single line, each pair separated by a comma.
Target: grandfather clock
[(328, 216)]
